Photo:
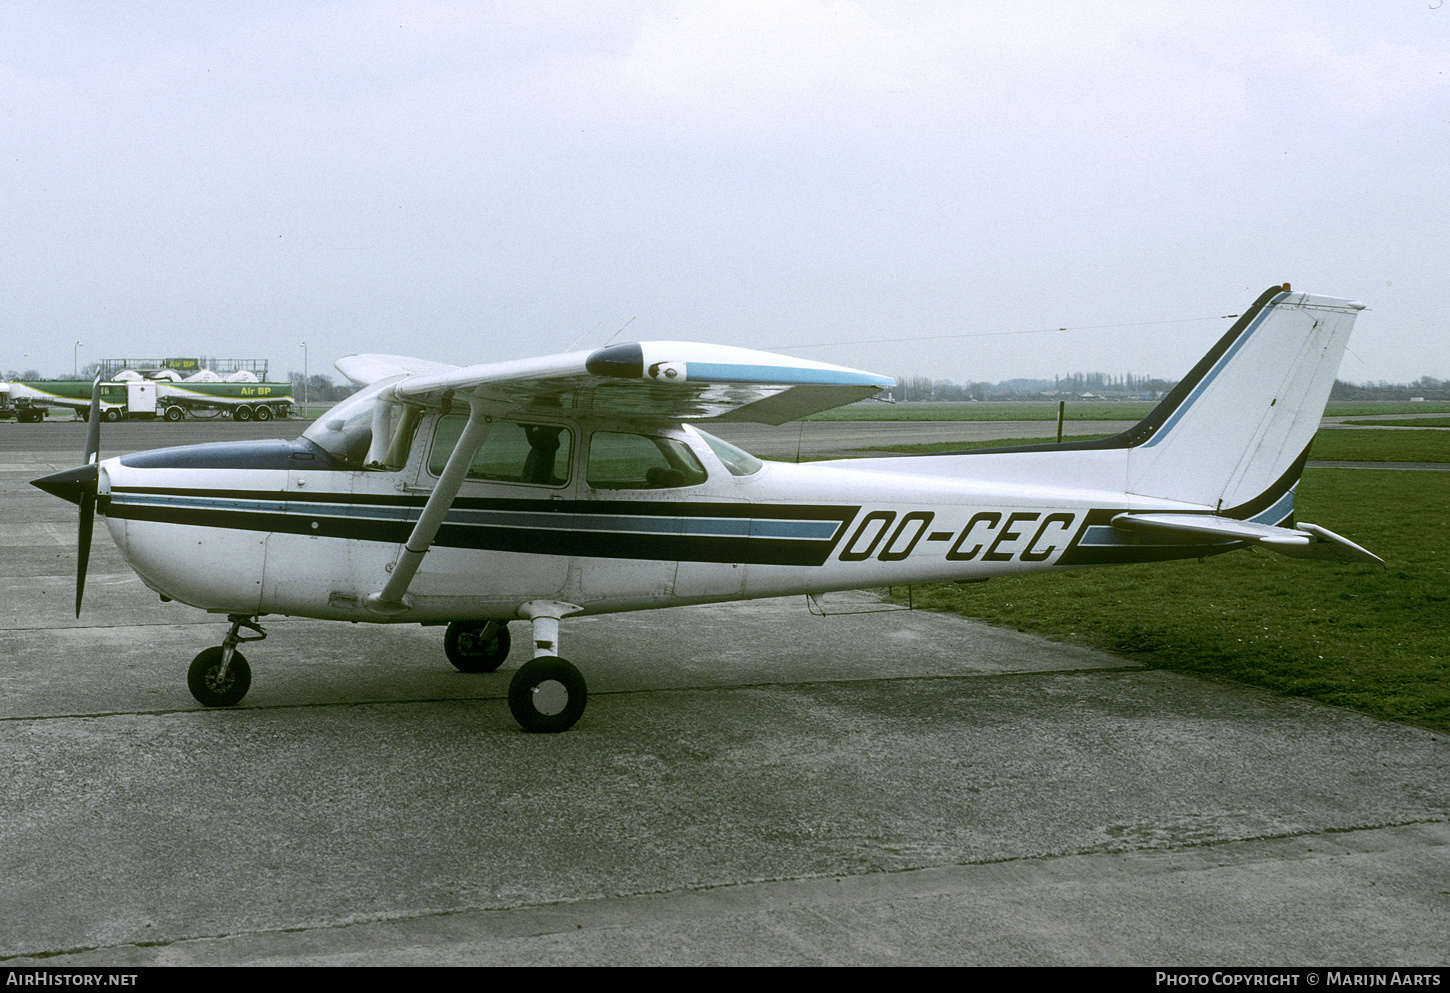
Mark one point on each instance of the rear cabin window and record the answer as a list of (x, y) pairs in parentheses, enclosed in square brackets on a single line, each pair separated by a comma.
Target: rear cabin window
[(619, 461), (537, 454)]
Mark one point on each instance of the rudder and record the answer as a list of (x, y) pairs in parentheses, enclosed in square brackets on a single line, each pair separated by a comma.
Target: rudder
[(1234, 433)]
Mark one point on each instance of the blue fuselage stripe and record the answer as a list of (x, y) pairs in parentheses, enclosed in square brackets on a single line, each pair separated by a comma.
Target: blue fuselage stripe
[(731, 527)]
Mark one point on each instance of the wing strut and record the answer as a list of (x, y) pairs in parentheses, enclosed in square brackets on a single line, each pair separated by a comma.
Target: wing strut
[(391, 598)]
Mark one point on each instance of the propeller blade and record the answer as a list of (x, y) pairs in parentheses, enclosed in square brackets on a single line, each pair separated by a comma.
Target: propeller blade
[(88, 495), (81, 486), (93, 424), (83, 549)]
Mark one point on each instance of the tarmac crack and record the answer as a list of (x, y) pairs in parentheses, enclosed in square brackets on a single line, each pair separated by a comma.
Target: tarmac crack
[(401, 936), (502, 694)]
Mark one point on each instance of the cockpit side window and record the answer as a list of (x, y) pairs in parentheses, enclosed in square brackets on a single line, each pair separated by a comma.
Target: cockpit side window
[(620, 461), (513, 452)]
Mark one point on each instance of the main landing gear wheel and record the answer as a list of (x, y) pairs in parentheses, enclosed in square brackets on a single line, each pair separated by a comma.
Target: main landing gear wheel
[(210, 687), (547, 694), (477, 646)]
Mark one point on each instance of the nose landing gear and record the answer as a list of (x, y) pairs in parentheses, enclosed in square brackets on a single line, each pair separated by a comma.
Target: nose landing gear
[(220, 677)]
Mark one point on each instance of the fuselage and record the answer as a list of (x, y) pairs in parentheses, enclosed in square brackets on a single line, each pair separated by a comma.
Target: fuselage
[(605, 515)]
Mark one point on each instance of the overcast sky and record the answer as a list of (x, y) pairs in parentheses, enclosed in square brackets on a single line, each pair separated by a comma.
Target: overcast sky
[(473, 181)]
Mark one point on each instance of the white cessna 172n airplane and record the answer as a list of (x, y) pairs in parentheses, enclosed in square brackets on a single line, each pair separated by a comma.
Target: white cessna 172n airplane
[(579, 484)]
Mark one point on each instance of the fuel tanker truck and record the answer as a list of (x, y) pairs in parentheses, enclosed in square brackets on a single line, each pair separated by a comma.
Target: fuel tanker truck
[(155, 394)]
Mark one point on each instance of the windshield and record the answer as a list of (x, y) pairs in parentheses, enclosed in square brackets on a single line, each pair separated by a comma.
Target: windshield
[(737, 460), (346, 430)]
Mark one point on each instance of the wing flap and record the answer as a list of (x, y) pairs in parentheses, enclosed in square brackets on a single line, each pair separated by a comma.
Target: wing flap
[(798, 401)]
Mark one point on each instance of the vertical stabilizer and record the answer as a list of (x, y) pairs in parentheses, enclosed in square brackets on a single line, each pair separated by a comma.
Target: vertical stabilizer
[(1233, 434)]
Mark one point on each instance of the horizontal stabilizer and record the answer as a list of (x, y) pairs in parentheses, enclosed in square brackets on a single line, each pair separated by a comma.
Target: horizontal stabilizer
[(1307, 541), (1335, 548)]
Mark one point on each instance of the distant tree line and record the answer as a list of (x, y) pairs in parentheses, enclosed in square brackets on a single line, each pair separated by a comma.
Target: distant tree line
[(1426, 387), (1098, 384), (911, 389), (320, 388)]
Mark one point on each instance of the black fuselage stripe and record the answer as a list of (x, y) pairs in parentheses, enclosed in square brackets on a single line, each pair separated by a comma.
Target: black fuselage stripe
[(619, 543), (653, 508)]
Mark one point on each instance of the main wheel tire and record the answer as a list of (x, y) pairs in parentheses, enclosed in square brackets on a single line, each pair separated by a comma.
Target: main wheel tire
[(174, 413), (203, 678), (263, 412), (472, 647), (547, 694), (242, 414)]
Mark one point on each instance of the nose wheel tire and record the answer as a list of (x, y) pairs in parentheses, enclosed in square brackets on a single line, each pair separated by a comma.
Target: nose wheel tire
[(210, 687), (547, 695), (477, 646)]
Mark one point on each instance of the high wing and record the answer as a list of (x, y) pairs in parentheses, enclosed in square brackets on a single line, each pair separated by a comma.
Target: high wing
[(653, 379), (365, 370)]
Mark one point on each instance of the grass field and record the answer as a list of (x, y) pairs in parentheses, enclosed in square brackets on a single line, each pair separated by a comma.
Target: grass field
[(1005, 410), (1381, 446), (1329, 446), (1410, 422), (1077, 410), (1369, 637), (1370, 408)]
